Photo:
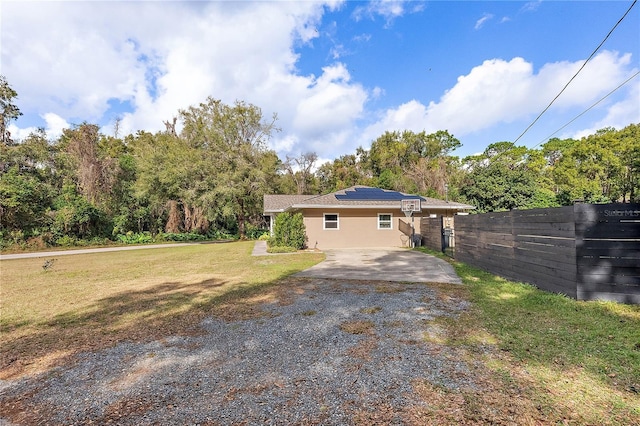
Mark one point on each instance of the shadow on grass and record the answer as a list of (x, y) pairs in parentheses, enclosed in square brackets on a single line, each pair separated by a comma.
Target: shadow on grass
[(559, 333), (170, 308), (576, 362), (554, 330)]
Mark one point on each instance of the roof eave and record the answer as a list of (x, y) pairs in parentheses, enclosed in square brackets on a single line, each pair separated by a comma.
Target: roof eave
[(375, 206)]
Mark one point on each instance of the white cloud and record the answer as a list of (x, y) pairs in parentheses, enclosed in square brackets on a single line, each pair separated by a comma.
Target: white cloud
[(333, 102), (162, 57), (480, 22), (362, 38), (531, 6), (55, 125), (53, 128), (619, 114), (73, 61), (18, 134), (501, 91), (284, 144), (388, 9)]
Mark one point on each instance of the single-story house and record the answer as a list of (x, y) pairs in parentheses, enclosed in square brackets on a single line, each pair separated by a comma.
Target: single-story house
[(359, 216)]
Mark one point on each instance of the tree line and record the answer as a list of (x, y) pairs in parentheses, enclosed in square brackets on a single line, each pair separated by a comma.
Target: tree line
[(600, 168), (208, 179)]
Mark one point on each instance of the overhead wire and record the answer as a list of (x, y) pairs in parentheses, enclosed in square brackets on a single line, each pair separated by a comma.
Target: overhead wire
[(576, 74), (588, 109)]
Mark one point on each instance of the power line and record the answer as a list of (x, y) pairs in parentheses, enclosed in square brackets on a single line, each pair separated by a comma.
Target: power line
[(588, 109), (578, 72)]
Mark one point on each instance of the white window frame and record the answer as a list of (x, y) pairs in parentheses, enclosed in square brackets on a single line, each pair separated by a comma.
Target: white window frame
[(390, 221), (324, 221)]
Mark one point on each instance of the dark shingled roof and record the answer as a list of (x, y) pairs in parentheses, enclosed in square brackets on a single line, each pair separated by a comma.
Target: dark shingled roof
[(353, 197), (274, 203)]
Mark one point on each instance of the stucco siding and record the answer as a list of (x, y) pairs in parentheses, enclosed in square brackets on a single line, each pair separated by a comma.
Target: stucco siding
[(355, 228)]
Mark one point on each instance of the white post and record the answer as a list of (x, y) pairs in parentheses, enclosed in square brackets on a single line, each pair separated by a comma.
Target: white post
[(413, 233)]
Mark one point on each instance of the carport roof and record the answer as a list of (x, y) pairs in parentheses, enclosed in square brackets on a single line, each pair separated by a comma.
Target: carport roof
[(354, 197)]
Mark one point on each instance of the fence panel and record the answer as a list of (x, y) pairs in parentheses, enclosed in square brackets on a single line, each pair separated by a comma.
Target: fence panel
[(586, 251), (608, 252), (486, 241), (545, 248), (431, 231)]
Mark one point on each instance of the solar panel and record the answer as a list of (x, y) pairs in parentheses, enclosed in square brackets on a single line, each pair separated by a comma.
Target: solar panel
[(374, 194)]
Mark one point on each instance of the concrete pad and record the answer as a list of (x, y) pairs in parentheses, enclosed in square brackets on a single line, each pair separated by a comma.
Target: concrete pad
[(260, 249), (383, 265)]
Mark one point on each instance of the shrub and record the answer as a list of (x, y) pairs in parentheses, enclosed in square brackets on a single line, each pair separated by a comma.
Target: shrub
[(289, 230), (66, 241), (265, 236), (253, 232), (188, 236), (135, 238), (218, 234)]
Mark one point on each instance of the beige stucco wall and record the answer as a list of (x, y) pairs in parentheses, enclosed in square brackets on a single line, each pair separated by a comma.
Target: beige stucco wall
[(357, 228)]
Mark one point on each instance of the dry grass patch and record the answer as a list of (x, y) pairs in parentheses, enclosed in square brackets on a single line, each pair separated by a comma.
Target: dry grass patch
[(382, 414), (358, 327), (371, 310), (363, 349), (92, 301)]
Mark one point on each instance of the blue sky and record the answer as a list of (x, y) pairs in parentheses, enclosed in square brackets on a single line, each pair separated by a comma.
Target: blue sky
[(338, 74)]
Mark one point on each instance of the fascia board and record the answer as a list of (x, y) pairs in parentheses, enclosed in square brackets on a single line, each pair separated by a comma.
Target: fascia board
[(338, 206), (375, 206)]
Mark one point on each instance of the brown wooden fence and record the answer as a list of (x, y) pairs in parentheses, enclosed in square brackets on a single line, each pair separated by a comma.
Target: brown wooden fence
[(431, 230), (586, 251)]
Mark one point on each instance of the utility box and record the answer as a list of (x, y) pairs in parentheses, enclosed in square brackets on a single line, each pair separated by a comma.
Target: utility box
[(447, 238)]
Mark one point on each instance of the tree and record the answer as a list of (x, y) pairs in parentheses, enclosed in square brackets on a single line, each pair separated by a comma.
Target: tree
[(501, 179), (27, 184), (75, 216), (300, 169), (8, 109), (345, 171), (598, 168), (237, 137), (23, 201), (172, 177), (413, 162), (94, 172), (215, 171), (630, 158)]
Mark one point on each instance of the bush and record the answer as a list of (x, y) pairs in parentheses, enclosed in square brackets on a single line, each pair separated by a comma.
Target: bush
[(135, 238), (75, 215), (221, 235), (66, 241), (288, 231), (253, 232), (265, 236), (189, 236)]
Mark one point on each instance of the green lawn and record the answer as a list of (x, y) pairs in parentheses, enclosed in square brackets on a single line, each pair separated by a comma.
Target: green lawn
[(538, 356), (580, 360), (91, 300)]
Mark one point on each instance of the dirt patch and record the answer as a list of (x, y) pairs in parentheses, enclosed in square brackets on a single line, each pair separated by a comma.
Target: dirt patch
[(358, 327)]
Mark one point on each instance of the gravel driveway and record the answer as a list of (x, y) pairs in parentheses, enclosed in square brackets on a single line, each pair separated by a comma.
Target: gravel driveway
[(332, 352)]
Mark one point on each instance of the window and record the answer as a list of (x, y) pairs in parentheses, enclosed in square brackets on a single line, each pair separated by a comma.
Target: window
[(384, 221), (330, 221)]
